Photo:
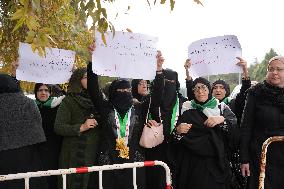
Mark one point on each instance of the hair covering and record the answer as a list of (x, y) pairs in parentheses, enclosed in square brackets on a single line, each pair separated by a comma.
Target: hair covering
[(106, 89), (122, 101), (226, 86), (170, 89), (8, 84), (38, 85), (280, 58), (207, 84), (134, 84), (75, 85), (172, 75)]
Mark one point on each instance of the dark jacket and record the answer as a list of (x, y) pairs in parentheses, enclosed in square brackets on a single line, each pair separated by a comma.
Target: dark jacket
[(120, 179), (263, 117), (20, 121), (78, 149), (200, 156)]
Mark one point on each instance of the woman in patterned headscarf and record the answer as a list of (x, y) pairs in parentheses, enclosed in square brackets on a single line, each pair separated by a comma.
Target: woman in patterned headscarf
[(78, 122)]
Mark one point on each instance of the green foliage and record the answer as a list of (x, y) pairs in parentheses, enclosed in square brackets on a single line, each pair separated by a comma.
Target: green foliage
[(52, 23), (258, 70)]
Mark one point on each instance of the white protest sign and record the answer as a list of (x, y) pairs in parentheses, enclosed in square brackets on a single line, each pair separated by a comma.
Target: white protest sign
[(127, 55), (54, 68), (217, 55)]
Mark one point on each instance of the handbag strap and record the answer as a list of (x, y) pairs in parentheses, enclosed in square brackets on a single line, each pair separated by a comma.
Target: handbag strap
[(148, 111)]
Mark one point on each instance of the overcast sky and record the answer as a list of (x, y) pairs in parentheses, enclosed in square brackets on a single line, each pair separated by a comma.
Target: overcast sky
[(258, 24)]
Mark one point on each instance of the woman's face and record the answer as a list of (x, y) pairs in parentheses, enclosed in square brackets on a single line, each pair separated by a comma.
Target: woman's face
[(43, 93), (201, 92), (143, 88), (275, 73), (84, 81), (219, 91)]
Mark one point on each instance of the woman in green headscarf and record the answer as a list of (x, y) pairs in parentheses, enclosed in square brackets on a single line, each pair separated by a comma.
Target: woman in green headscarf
[(200, 140), (78, 122)]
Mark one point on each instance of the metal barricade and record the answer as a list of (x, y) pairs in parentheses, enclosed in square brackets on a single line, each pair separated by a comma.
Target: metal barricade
[(65, 172), (263, 158)]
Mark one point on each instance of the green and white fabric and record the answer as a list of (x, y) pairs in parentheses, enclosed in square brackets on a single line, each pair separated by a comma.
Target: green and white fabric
[(210, 108), (51, 102), (227, 100)]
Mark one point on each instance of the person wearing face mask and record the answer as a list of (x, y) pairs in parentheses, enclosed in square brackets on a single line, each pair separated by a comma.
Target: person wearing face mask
[(263, 117), (200, 141), (20, 133), (78, 122), (124, 125), (49, 150), (170, 110), (141, 95)]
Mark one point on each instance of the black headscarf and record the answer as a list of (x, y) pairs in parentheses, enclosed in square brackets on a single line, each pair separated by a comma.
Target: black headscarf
[(134, 84), (8, 84), (226, 86), (75, 85), (204, 82), (37, 86), (170, 90), (122, 101)]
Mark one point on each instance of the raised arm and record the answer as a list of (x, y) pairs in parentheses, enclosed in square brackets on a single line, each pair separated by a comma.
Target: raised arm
[(94, 90), (158, 83), (188, 80), (246, 83)]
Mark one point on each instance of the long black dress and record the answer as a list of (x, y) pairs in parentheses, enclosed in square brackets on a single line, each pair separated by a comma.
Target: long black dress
[(119, 179), (50, 150), (263, 117), (199, 157)]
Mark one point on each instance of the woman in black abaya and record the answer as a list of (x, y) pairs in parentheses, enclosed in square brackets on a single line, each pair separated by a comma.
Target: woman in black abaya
[(200, 140)]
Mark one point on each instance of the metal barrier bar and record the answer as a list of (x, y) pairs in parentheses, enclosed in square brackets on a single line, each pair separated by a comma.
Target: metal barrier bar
[(263, 158), (65, 172)]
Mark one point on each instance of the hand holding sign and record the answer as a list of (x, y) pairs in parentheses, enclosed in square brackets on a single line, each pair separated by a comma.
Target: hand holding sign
[(215, 55)]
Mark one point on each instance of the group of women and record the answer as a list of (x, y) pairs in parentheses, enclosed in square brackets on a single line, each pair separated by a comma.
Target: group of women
[(206, 142)]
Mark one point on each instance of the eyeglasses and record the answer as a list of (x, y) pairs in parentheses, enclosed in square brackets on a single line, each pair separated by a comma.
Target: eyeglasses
[(128, 90), (43, 90), (271, 69), (143, 83), (200, 88)]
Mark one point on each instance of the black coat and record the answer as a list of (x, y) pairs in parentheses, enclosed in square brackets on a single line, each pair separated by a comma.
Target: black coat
[(50, 149), (120, 179), (200, 158), (263, 117)]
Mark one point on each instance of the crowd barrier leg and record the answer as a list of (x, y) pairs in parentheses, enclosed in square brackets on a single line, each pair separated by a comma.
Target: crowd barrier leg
[(263, 158)]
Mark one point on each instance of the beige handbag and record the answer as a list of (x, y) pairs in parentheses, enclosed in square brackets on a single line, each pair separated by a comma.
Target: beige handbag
[(151, 136)]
